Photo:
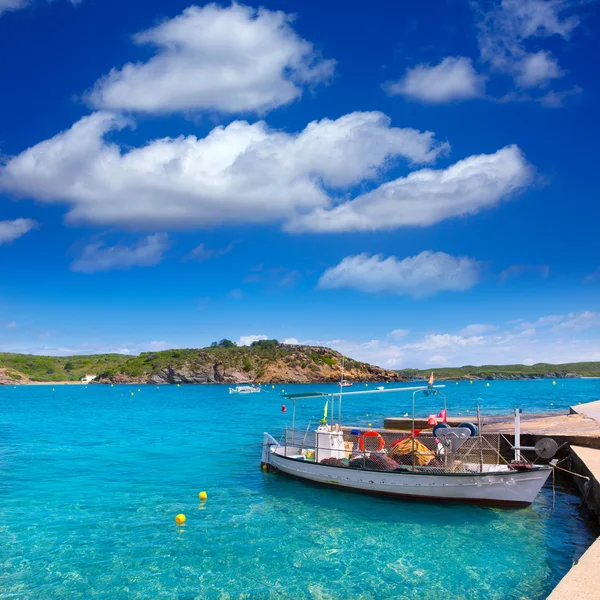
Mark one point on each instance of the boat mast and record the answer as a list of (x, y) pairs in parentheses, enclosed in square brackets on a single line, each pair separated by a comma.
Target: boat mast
[(340, 398)]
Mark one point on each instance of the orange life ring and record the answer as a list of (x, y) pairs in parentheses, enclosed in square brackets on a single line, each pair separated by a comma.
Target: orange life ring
[(361, 440)]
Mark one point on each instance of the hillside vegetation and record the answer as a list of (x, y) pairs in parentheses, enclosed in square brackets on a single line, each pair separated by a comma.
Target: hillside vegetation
[(222, 362), (263, 361), (537, 371), (56, 368)]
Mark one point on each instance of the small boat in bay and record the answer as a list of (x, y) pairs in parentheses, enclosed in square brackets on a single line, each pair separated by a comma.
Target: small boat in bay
[(447, 463), (245, 389)]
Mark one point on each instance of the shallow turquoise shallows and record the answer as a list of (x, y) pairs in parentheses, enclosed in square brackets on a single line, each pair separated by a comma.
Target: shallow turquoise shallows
[(91, 479)]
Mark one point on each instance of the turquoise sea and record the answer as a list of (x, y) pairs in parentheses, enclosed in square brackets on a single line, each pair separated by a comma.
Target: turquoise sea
[(91, 479)]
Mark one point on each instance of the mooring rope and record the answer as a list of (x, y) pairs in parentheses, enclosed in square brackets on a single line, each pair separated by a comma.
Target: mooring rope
[(571, 472)]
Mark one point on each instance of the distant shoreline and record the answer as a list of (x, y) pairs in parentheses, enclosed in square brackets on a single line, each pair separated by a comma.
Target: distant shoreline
[(266, 383)]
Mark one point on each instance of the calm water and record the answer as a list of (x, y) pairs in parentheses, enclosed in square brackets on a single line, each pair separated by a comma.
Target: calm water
[(92, 478)]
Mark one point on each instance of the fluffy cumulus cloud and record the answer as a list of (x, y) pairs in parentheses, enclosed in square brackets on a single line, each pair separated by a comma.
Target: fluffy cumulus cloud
[(537, 70), (452, 79), (11, 230), (146, 252), (246, 340), (509, 34), (228, 59), (242, 172), (417, 276), (427, 196)]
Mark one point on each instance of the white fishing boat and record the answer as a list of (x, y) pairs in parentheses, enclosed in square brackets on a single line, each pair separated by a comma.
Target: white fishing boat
[(344, 383), (245, 389), (448, 463)]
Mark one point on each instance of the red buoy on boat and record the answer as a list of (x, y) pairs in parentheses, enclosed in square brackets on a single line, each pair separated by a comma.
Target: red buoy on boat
[(283, 408)]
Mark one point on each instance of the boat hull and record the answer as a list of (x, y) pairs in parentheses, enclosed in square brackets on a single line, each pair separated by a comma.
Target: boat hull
[(506, 488)]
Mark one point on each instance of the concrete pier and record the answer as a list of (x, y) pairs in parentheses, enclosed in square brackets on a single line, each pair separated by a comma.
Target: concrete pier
[(586, 462), (581, 582)]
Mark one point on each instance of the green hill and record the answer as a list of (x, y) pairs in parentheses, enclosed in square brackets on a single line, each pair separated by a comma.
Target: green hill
[(537, 371), (263, 361)]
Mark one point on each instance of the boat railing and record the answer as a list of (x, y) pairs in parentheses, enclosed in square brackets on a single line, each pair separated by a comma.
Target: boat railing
[(380, 450)]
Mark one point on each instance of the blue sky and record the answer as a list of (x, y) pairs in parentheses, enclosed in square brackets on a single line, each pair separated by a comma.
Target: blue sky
[(412, 183)]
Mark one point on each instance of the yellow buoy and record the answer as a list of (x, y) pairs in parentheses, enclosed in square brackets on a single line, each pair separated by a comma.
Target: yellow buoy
[(272, 387), (554, 383), (457, 383), (366, 415), (139, 390), (366, 385), (203, 495), (177, 385), (132, 394), (470, 382), (551, 403), (112, 385), (370, 425), (52, 389), (487, 385), (264, 467), (180, 519)]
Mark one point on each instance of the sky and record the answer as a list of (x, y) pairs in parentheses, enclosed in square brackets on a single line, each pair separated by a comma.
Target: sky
[(412, 183)]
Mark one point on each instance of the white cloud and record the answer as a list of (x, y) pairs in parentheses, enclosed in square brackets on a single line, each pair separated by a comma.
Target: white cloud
[(506, 26), (427, 196), (146, 252), (241, 173), (246, 340), (418, 276), (542, 322), (398, 334), (438, 360), (233, 59), (476, 329), (375, 352), (291, 341), (550, 345), (578, 322), (157, 345), (11, 230), (10, 5), (452, 79), (445, 340), (201, 252), (537, 70)]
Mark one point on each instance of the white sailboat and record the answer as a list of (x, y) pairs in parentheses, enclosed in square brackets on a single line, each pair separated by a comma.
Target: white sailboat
[(450, 464)]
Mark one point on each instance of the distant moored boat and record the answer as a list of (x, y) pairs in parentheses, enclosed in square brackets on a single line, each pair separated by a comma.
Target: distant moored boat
[(244, 389)]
